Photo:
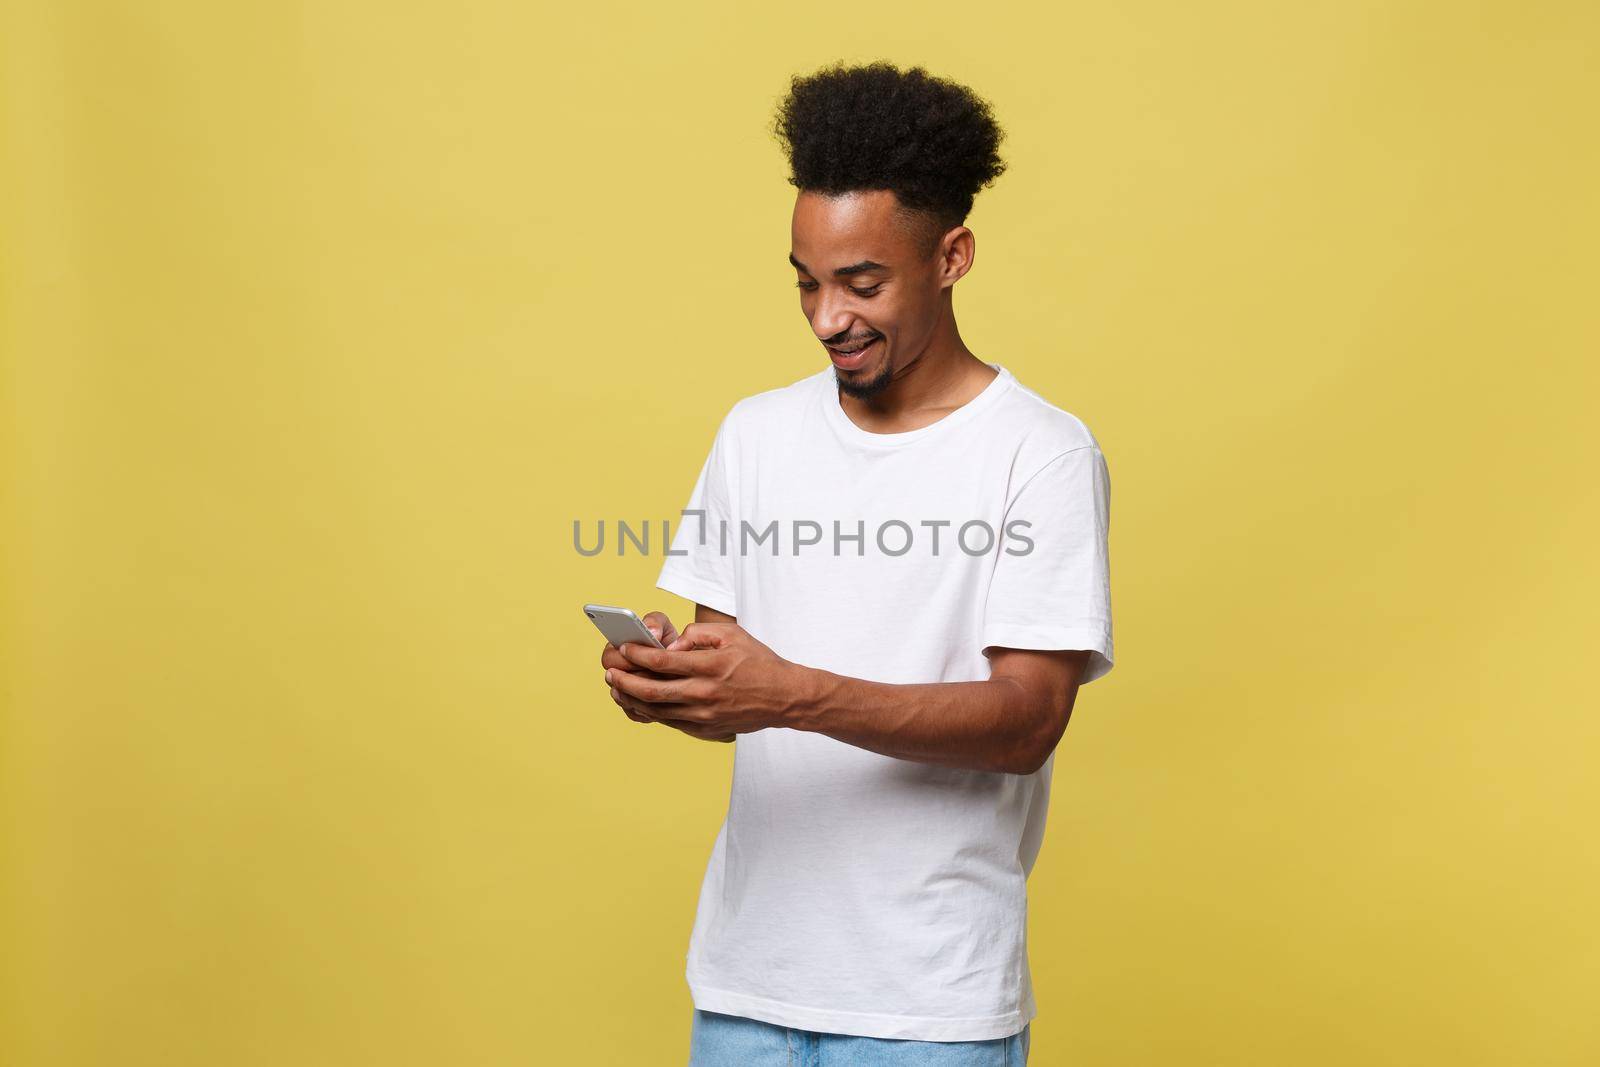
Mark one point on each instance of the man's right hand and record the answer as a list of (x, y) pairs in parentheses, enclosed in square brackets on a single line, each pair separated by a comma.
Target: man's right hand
[(610, 659)]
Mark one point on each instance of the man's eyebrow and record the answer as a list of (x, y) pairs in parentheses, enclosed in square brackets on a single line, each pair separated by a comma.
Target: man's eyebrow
[(843, 272)]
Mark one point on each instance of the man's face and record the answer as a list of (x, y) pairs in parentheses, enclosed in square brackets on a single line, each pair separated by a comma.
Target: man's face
[(872, 299)]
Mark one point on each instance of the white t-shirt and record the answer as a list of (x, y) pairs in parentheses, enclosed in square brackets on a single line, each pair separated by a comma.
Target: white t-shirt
[(848, 891)]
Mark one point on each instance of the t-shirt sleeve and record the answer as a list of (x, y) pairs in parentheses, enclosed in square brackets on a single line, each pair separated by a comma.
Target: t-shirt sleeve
[(1051, 587), (696, 568)]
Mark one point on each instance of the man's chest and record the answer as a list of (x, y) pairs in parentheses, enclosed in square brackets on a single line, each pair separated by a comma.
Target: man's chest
[(824, 486)]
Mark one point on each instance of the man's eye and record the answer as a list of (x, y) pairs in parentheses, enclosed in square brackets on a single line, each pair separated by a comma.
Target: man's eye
[(873, 291)]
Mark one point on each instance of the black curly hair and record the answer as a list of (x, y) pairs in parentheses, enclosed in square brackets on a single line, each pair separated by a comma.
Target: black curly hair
[(933, 142)]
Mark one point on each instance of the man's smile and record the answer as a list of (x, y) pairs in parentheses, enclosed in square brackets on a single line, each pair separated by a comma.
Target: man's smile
[(853, 355)]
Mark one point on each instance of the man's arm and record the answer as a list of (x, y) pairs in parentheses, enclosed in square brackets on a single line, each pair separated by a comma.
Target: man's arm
[(705, 614), (719, 678), (1010, 723)]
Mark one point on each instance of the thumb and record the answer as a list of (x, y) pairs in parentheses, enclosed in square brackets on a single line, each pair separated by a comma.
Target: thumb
[(658, 623), (701, 635)]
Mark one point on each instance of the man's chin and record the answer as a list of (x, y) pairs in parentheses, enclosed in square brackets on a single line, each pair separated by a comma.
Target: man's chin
[(860, 385)]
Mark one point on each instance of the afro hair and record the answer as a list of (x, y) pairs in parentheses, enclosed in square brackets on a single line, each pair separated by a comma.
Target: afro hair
[(934, 143)]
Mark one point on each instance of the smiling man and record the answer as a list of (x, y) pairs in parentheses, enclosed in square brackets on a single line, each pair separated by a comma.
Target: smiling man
[(900, 573)]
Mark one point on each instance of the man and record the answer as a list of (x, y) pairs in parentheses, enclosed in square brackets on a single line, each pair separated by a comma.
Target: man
[(900, 575)]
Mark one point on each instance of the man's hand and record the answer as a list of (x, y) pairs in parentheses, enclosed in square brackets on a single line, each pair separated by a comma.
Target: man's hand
[(613, 660), (714, 681)]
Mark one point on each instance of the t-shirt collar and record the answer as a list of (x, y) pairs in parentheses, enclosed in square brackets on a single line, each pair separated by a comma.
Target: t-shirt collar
[(836, 417)]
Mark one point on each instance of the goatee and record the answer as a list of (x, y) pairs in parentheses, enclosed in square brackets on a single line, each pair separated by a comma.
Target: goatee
[(870, 388)]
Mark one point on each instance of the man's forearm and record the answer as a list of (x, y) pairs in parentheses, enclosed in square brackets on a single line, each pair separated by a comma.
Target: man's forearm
[(989, 726)]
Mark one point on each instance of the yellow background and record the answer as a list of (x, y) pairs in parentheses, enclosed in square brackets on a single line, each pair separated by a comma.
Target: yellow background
[(323, 322)]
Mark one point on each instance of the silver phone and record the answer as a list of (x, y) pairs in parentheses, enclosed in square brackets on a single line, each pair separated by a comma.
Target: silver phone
[(620, 625)]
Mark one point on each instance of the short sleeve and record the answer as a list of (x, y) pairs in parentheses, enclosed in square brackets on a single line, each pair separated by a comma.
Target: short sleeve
[(696, 568), (1051, 587)]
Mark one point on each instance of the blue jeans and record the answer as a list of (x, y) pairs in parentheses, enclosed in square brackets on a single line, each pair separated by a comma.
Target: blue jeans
[(718, 1040)]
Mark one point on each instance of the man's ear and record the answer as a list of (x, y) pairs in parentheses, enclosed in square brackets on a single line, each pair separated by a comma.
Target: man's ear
[(956, 251)]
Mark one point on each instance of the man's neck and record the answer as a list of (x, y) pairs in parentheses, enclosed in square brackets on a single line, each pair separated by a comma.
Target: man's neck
[(931, 387)]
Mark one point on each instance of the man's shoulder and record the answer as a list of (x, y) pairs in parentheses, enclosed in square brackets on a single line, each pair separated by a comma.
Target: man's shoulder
[(1042, 428), (770, 407)]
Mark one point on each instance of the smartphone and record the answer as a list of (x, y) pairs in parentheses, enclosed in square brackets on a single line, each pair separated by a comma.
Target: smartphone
[(620, 625)]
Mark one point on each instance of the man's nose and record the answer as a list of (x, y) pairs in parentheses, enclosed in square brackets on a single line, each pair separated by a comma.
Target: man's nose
[(830, 317)]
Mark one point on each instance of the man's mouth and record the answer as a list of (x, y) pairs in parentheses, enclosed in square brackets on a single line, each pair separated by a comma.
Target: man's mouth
[(853, 356)]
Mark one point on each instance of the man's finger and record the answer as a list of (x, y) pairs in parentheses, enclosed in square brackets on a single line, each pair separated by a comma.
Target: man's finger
[(649, 690), (662, 662), (626, 704), (639, 711), (612, 658), (700, 733), (666, 713), (658, 623), (703, 635)]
